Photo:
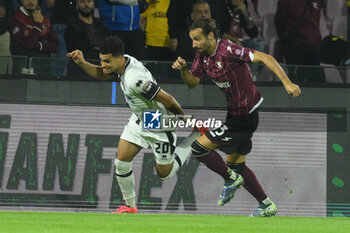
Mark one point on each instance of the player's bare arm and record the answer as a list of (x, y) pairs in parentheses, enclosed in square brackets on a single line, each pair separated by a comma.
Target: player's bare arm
[(190, 80), (169, 102), (272, 64), (94, 71)]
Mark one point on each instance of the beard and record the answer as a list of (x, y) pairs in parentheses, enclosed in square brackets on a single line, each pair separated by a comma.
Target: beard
[(85, 14), (30, 9), (204, 49), (200, 51)]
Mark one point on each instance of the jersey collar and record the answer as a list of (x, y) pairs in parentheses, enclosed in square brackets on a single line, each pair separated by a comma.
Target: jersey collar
[(127, 63), (217, 45), (24, 11)]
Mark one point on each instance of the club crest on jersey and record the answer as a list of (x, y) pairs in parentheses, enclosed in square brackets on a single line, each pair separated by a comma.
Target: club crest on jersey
[(152, 120), (238, 52), (218, 64)]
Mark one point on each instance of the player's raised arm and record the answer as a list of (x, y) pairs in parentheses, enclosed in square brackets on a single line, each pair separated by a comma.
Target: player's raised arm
[(190, 80), (94, 71), (273, 65)]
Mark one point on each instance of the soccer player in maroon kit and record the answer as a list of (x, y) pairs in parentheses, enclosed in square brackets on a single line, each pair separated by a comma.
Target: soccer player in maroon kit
[(226, 63)]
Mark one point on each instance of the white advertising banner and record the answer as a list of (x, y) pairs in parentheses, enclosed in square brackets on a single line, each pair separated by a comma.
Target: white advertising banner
[(61, 158)]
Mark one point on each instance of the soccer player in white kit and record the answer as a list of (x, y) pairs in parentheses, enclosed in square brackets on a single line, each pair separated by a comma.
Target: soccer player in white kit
[(142, 94)]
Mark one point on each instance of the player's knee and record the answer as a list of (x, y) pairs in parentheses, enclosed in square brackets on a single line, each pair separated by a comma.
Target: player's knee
[(237, 167), (245, 148), (165, 177), (122, 168), (162, 174), (167, 171), (198, 150)]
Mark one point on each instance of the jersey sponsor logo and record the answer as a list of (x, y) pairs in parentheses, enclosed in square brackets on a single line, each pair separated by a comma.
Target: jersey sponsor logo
[(152, 120), (223, 84)]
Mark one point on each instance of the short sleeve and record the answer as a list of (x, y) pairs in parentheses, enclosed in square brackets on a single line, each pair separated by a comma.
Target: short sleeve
[(146, 88)]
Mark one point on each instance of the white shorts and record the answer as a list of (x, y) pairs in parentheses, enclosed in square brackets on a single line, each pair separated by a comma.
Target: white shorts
[(162, 142)]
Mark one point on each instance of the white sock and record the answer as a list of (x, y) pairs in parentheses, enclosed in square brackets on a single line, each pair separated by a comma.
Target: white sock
[(233, 174), (127, 188), (183, 150), (126, 183), (130, 202), (267, 201)]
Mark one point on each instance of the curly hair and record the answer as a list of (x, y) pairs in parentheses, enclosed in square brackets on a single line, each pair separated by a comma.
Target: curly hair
[(113, 45)]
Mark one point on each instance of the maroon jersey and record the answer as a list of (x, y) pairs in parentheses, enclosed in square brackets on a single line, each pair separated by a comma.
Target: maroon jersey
[(29, 37), (228, 68)]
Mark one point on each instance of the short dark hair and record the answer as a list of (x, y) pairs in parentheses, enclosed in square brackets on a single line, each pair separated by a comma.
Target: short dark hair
[(113, 45), (197, 2), (207, 25), (20, 2)]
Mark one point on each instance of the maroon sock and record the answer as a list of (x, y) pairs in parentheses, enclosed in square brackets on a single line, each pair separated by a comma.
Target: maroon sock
[(214, 162), (251, 183)]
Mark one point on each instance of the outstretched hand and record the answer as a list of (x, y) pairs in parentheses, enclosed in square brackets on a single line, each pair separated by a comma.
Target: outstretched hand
[(293, 89), (77, 56)]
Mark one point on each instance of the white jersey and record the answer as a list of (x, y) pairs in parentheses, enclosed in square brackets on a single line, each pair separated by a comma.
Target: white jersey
[(140, 89)]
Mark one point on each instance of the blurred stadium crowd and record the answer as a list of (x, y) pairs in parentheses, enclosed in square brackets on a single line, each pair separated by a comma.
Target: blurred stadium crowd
[(35, 35)]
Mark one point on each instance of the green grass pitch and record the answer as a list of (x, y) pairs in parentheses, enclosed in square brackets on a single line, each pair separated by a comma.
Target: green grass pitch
[(60, 222)]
